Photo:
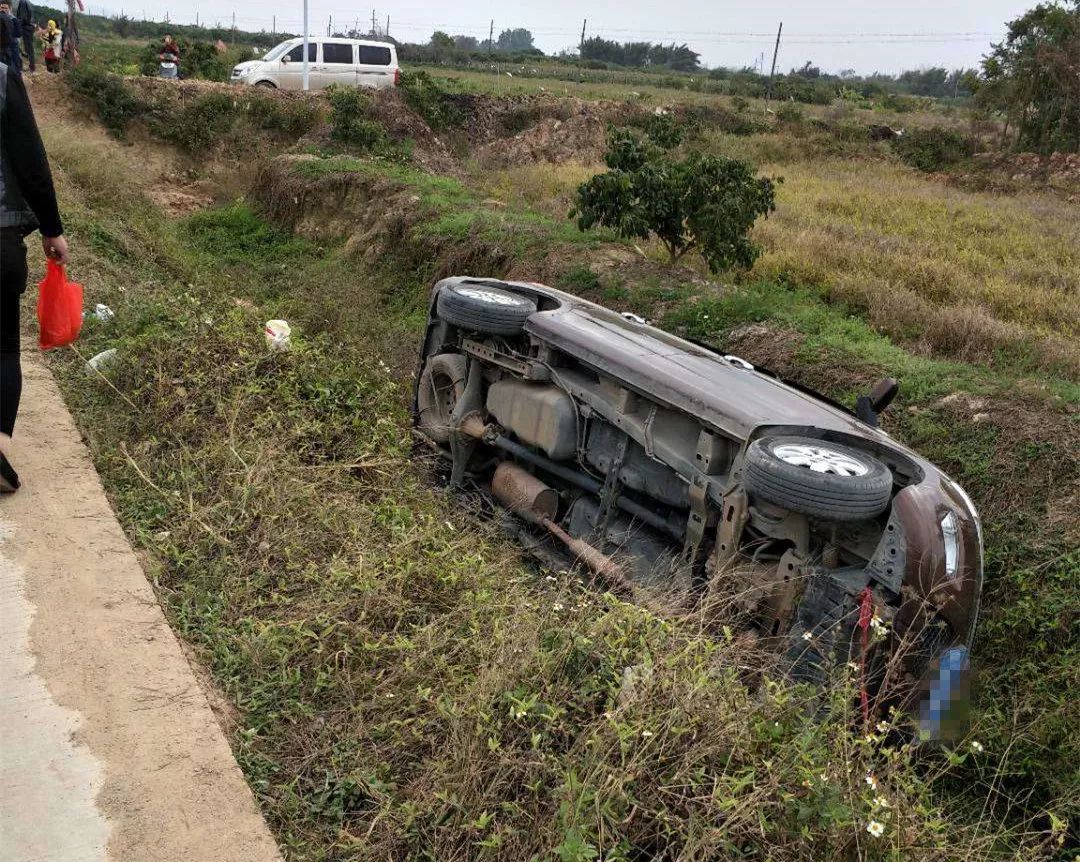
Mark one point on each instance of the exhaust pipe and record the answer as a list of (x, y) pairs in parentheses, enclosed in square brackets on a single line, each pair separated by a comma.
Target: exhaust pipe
[(525, 495)]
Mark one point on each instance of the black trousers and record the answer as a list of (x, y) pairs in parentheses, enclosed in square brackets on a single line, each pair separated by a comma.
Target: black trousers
[(28, 46), (13, 275)]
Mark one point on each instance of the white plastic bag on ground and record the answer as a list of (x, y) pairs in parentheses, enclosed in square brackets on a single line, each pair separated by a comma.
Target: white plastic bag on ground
[(278, 334)]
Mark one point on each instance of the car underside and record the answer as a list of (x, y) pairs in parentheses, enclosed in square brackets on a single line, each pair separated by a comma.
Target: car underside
[(680, 476)]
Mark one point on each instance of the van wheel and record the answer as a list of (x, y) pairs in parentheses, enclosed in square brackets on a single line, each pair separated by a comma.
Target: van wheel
[(441, 384), (266, 85), (817, 478), (480, 307)]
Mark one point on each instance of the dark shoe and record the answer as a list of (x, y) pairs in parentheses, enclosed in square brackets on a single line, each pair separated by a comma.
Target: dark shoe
[(9, 479)]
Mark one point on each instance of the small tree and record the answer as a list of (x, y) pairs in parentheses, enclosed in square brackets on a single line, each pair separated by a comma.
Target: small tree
[(702, 203), (1033, 77)]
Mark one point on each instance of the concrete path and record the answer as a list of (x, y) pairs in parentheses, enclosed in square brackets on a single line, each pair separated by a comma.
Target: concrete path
[(108, 747)]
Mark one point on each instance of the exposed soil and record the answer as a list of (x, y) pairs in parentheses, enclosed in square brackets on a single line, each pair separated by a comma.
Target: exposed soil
[(580, 138)]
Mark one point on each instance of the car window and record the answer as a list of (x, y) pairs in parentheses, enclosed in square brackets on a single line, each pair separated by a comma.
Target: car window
[(297, 54), (374, 55), (337, 52)]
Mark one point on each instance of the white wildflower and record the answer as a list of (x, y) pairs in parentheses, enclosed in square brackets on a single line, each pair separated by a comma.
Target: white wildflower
[(646, 733), (871, 782), (875, 828), (853, 666), (557, 607), (882, 727), (881, 802), (976, 746), (808, 636)]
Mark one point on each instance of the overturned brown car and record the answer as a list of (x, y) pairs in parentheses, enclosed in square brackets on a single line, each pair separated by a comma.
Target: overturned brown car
[(662, 466)]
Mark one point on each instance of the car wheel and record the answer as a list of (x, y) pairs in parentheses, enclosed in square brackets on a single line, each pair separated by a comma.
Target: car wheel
[(267, 85), (441, 384), (818, 478), (482, 308)]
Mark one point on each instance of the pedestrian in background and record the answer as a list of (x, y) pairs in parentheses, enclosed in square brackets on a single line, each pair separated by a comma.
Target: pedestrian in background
[(27, 203), (53, 39), (24, 14)]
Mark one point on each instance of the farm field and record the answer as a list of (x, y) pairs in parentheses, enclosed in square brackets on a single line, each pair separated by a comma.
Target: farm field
[(401, 682)]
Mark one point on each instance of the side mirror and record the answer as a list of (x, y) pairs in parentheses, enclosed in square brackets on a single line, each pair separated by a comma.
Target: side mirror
[(285, 58), (883, 393), (868, 407)]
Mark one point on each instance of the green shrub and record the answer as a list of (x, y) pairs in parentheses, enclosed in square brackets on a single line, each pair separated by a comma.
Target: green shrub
[(739, 103), (934, 149), (291, 117), (702, 203), (115, 103), (349, 120), (664, 130), (430, 100), (198, 125)]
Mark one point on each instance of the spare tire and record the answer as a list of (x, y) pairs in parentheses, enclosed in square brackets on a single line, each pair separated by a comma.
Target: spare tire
[(818, 478), (480, 307)]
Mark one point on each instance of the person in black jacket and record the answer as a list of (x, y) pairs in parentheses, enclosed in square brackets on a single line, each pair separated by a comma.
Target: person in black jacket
[(12, 56), (27, 203)]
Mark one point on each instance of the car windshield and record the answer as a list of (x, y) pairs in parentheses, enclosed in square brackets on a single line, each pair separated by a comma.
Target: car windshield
[(278, 50)]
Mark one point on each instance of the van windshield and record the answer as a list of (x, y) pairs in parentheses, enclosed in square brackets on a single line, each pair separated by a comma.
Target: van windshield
[(277, 51)]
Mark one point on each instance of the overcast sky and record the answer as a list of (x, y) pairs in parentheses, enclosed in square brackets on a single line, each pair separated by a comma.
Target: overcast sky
[(835, 34)]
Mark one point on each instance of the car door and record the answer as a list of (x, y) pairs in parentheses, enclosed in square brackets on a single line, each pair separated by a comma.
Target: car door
[(374, 68), (338, 64), (290, 74)]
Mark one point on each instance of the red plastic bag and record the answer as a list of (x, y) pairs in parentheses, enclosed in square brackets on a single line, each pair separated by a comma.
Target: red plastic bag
[(59, 308)]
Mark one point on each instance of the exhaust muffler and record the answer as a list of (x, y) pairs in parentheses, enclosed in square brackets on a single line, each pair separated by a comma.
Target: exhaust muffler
[(525, 495)]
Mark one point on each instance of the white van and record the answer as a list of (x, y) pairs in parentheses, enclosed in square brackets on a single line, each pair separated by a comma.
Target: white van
[(349, 62)]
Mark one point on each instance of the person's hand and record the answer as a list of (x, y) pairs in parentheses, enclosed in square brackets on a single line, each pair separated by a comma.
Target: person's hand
[(56, 248)]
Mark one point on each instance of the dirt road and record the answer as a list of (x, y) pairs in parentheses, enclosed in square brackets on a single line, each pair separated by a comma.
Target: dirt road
[(108, 747)]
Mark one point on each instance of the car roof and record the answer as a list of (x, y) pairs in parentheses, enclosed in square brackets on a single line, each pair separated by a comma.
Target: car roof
[(298, 39)]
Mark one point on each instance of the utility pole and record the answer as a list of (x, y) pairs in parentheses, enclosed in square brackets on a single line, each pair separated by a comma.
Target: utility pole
[(307, 85), (581, 52), (373, 22), (387, 34), (772, 72), (329, 24), (491, 38), (273, 31)]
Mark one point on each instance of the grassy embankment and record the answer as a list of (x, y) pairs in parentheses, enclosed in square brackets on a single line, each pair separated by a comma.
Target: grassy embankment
[(403, 688)]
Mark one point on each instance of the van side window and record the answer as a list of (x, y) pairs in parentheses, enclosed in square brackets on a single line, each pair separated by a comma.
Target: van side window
[(296, 55), (374, 55), (337, 52)]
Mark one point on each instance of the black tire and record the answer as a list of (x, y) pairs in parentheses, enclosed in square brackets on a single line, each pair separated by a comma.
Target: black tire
[(437, 392), (266, 85), (480, 307), (856, 488)]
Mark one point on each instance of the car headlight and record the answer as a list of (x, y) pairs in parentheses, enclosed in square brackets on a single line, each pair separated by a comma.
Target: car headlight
[(950, 533)]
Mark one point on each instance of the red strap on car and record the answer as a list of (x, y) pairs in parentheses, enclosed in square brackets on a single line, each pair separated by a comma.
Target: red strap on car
[(866, 611)]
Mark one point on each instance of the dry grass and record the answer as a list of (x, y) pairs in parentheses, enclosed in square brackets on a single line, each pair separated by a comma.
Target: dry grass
[(544, 188), (966, 274)]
